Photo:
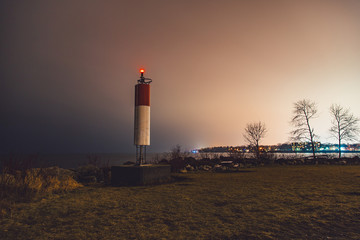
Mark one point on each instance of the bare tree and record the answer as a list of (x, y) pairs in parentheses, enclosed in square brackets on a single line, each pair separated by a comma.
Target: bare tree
[(177, 152), (344, 125), (304, 111), (254, 132)]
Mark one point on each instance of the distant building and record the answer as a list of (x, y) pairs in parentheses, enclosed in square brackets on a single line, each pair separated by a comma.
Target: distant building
[(304, 146), (286, 147)]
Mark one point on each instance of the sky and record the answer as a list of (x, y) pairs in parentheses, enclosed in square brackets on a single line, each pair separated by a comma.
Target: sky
[(68, 70)]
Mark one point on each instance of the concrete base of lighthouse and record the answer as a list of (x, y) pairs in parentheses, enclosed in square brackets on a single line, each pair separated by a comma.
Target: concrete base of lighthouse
[(133, 175)]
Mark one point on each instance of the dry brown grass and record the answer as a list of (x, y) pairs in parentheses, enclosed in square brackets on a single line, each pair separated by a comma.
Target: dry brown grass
[(300, 202), (30, 184)]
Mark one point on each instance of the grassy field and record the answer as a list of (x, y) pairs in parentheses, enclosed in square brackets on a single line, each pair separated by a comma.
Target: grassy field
[(299, 202)]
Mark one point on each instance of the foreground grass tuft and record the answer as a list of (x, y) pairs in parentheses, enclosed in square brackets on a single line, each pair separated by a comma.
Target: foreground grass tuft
[(300, 202)]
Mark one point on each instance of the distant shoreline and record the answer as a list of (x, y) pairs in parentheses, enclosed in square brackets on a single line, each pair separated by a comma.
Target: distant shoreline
[(74, 160)]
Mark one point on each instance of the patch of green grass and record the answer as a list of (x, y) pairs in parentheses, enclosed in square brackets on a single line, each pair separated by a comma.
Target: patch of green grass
[(299, 202)]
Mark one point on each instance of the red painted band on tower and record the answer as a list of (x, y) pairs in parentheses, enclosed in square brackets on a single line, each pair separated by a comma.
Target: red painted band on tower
[(142, 94)]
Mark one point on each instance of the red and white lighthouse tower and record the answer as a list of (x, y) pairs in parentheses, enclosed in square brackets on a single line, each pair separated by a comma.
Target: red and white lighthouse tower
[(142, 117)]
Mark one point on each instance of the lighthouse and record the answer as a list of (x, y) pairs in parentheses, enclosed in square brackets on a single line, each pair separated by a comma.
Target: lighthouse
[(140, 173), (142, 117)]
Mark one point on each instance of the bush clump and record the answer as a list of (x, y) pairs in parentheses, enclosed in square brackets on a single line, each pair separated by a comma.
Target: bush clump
[(29, 184), (26, 184), (89, 174)]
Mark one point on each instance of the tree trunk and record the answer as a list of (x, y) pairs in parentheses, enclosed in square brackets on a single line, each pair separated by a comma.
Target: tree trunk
[(311, 134), (339, 138), (313, 148)]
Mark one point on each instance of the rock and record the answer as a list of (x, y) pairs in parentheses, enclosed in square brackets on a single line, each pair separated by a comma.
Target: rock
[(189, 167)]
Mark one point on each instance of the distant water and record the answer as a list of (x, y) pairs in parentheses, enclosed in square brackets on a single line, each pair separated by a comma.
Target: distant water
[(69, 160), (103, 159), (111, 159)]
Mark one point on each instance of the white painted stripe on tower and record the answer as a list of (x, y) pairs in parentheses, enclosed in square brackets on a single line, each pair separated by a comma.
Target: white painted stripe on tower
[(142, 125)]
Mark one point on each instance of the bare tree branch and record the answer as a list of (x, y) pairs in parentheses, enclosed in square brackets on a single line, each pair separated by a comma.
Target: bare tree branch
[(344, 125), (304, 111), (254, 132)]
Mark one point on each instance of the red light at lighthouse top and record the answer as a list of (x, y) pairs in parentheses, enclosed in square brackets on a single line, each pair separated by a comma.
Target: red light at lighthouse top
[(142, 72), (142, 79)]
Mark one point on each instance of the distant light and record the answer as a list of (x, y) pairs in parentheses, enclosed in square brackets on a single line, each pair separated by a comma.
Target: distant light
[(142, 70)]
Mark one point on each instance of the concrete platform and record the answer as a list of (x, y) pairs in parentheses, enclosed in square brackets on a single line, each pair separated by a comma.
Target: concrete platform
[(133, 175)]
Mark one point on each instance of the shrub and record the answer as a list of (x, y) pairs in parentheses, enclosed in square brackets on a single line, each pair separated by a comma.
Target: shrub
[(191, 161), (20, 182), (27, 185), (177, 164), (89, 174)]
